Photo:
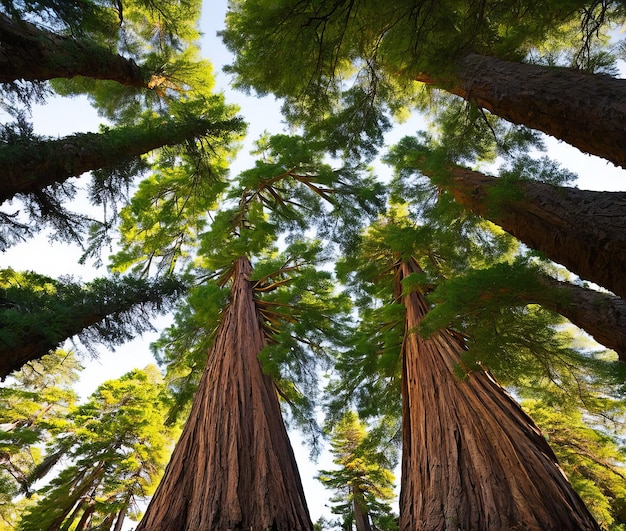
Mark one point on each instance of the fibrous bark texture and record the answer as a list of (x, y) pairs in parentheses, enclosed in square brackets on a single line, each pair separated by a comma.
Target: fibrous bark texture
[(471, 458), (33, 54), (583, 230), (587, 111), (233, 467)]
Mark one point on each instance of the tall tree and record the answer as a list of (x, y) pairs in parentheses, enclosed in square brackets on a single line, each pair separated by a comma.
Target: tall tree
[(451, 404), (592, 459), (431, 181), (262, 345), (444, 453), (363, 483), (33, 164), (34, 54), (171, 107), (233, 466), (35, 404), (117, 446), (474, 52)]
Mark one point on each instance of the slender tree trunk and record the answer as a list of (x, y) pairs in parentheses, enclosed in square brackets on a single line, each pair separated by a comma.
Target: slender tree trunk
[(587, 111), (583, 230), (121, 516), (361, 516), (471, 458), (76, 497), (233, 467), (86, 517), (32, 165), (33, 54)]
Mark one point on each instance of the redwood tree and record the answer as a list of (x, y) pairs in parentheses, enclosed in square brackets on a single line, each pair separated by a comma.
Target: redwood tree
[(583, 230), (233, 467), (471, 459), (465, 440)]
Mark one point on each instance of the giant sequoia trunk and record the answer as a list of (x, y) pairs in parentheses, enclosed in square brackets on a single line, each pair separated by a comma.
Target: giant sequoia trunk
[(583, 230), (585, 110), (32, 165), (33, 54), (471, 458), (233, 467)]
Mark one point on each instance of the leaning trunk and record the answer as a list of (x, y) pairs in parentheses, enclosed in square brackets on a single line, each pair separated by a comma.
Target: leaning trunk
[(233, 467), (32, 165), (471, 458), (583, 230), (585, 110), (601, 315), (23, 342), (33, 54)]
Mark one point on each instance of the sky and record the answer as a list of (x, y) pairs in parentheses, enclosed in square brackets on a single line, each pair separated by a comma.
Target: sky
[(65, 116)]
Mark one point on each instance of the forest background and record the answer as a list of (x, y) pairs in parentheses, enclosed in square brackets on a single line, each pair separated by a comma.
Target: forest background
[(261, 115)]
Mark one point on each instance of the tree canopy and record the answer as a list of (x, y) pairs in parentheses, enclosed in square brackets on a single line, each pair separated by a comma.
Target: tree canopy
[(422, 297)]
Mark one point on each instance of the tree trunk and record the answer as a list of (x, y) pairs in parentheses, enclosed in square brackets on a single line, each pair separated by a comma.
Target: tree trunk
[(86, 517), (121, 516), (33, 54), (31, 166), (361, 516), (583, 230), (471, 458), (29, 344), (587, 111), (601, 315), (233, 467)]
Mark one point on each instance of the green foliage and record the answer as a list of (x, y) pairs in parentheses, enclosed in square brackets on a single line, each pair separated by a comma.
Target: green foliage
[(363, 479), (377, 51), (35, 403), (592, 459), (39, 313), (117, 449)]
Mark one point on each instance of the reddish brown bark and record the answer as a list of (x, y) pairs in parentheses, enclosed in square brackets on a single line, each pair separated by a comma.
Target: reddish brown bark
[(583, 230), (585, 110), (471, 458), (233, 467), (33, 54)]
